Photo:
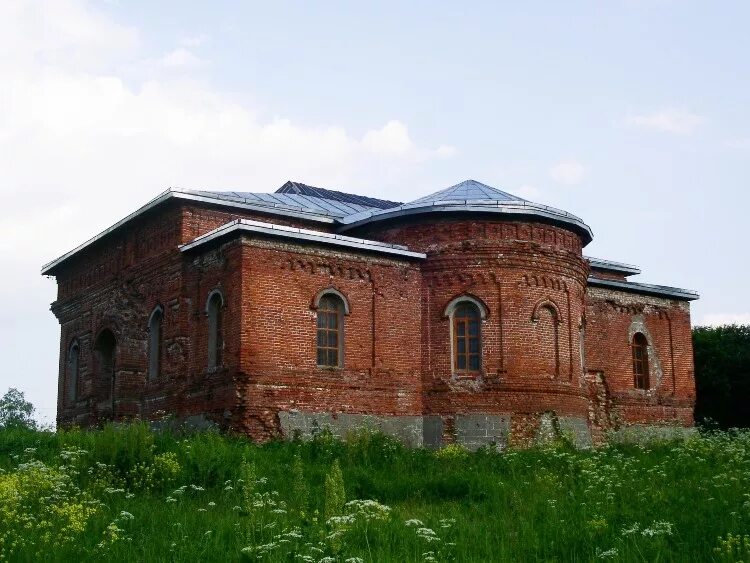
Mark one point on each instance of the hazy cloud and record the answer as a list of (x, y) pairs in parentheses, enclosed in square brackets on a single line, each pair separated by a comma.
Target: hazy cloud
[(568, 172), (194, 40), (180, 57), (739, 144), (528, 192), (669, 120), (719, 319)]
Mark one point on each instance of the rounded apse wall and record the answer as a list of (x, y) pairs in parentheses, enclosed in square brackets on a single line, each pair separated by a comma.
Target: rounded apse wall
[(528, 281)]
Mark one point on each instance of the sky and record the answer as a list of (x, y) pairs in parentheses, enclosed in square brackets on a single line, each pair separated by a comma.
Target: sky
[(631, 114)]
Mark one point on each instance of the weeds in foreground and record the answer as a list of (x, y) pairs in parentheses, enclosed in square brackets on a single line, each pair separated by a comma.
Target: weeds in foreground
[(126, 493)]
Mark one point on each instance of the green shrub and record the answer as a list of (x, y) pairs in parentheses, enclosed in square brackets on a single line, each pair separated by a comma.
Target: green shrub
[(335, 494)]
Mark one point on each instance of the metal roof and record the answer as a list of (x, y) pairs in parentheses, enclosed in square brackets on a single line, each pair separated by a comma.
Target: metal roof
[(313, 204), (645, 288), (471, 196), (296, 202), (610, 266), (303, 189), (467, 190), (303, 235)]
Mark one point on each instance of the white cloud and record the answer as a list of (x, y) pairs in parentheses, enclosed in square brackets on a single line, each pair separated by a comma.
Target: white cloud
[(180, 57), (669, 120), (568, 172), (719, 319), (446, 151), (392, 138)]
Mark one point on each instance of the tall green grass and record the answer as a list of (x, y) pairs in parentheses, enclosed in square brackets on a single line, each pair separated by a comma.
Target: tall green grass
[(125, 493)]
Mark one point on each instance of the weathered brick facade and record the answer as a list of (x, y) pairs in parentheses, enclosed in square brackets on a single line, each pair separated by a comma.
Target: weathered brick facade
[(556, 328)]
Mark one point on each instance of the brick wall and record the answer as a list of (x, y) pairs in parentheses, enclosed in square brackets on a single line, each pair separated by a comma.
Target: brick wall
[(529, 278), (612, 318)]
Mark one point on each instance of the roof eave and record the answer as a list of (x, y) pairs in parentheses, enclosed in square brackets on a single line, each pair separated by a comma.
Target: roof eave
[(647, 289), (49, 268), (610, 266), (241, 226), (522, 211)]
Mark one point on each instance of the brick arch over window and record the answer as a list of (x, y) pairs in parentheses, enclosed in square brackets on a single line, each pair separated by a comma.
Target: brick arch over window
[(546, 318), (331, 306), (331, 291), (155, 325), (215, 314), (466, 313), (641, 371), (72, 372)]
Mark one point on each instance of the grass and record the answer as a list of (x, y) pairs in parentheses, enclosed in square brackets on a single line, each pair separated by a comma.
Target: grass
[(125, 493)]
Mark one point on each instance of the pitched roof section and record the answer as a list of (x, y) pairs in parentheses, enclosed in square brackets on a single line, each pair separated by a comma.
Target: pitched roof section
[(298, 188), (468, 190), (259, 228), (293, 202), (475, 197)]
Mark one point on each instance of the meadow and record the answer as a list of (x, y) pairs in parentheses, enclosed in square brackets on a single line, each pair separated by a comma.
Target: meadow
[(126, 493)]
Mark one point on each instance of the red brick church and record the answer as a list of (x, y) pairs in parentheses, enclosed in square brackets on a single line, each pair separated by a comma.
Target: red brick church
[(469, 315)]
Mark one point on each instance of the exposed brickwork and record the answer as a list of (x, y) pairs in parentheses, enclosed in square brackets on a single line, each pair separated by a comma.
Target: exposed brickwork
[(612, 317), (551, 346)]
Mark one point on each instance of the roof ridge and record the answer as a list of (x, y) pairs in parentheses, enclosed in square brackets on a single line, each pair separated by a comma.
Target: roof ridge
[(299, 188)]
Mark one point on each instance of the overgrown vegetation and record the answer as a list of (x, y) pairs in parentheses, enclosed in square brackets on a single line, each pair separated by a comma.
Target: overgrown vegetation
[(722, 375), (125, 493)]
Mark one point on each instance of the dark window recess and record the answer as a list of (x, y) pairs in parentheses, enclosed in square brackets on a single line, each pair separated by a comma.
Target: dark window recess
[(154, 343), (215, 332), (640, 361)]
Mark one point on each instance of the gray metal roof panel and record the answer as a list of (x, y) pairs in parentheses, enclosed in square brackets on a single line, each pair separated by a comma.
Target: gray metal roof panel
[(610, 266), (646, 288), (303, 189), (306, 235), (297, 202), (467, 190)]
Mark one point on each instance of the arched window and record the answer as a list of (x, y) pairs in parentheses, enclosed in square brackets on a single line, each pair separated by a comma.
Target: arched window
[(640, 361), (215, 333), (72, 372), (330, 343), (154, 342), (467, 338)]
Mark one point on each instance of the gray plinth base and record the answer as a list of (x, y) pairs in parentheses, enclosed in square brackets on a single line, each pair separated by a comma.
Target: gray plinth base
[(408, 429)]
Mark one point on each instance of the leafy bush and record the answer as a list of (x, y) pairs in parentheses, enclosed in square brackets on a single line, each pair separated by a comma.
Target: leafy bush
[(16, 411)]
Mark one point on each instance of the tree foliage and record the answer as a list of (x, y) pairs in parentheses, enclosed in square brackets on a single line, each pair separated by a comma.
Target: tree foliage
[(722, 375), (16, 411)]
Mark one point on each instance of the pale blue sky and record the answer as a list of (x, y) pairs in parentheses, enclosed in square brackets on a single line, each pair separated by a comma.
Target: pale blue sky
[(631, 114)]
